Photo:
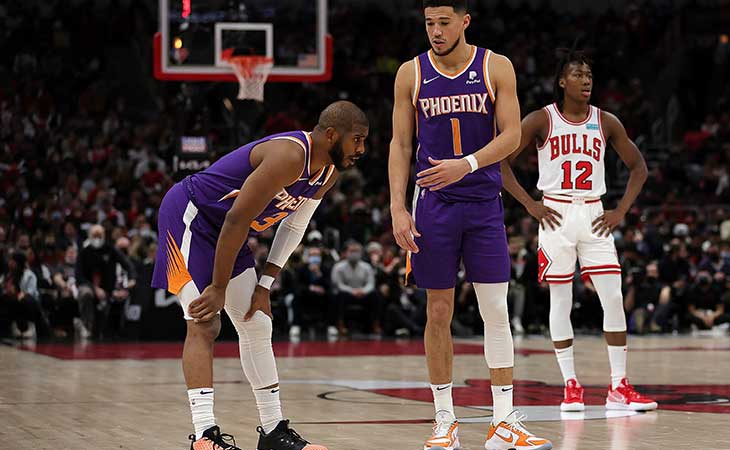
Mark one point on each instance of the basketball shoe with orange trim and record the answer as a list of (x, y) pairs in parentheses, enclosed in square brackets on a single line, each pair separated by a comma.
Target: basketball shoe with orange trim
[(572, 397), (284, 438), (510, 434), (626, 397), (213, 439), (445, 432)]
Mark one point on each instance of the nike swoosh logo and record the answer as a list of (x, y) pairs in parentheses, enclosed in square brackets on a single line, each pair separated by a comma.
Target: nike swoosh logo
[(274, 391), (506, 390), (430, 80), (442, 388), (205, 393), (509, 441)]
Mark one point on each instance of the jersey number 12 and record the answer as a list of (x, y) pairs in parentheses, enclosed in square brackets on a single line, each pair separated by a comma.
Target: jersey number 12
[(581, 181)]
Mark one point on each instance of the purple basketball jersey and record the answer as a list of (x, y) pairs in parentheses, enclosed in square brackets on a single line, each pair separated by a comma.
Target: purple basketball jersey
[(214, 189), (455, 118), (193, 211)]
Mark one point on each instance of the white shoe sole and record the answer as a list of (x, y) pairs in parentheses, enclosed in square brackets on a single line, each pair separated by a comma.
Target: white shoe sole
[(547, 446), (631, 406), (572, 407)]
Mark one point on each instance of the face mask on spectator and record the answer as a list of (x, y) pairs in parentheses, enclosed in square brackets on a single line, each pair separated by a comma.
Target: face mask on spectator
[(315, 259), (354, 257), (96, 242)]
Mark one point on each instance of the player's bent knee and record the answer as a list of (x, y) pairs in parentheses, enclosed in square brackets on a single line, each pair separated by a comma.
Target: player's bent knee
[(207, 331), (256, 330), (257, 355)]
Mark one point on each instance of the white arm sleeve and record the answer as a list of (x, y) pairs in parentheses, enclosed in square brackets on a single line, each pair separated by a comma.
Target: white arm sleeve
[(290, 233)]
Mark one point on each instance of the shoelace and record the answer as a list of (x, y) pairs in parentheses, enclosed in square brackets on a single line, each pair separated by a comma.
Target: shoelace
[(295, 434), (516, 422), (441, 429), (290, 431), (220, 436), (227, 439), (631, 392)]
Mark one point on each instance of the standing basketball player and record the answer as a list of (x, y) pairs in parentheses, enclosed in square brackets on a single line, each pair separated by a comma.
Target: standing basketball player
[(455, 96), (207, 217), (572, 137)]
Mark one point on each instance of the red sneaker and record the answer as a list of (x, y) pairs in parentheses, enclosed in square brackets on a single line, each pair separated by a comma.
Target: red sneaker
[(572, 397), (625, 397)]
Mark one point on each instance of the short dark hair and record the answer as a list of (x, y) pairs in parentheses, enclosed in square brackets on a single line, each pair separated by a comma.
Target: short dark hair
[(342, 115), (568, 56), (459, 6)]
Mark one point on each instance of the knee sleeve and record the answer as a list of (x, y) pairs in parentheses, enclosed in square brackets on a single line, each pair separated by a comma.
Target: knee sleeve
[(254, 336), (608, 288), (498, 347), (561, 303)]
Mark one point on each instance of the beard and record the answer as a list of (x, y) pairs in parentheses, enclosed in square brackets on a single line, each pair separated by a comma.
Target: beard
[(337, 155), (448, 50)]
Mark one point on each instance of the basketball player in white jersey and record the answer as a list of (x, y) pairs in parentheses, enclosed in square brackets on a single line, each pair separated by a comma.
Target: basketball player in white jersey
[(572, 138)]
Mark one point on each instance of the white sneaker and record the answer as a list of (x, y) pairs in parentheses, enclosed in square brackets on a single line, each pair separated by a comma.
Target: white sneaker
[(14, 330), (30, 332), (332, 331), (445, 433), (81, 330), (517, 325), (510, 434), (295, 331)]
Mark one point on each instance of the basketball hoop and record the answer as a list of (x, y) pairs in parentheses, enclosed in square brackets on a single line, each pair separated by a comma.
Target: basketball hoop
[(251, 71)]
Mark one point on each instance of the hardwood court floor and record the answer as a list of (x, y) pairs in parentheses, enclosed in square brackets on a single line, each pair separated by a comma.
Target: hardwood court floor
[(358, 395)]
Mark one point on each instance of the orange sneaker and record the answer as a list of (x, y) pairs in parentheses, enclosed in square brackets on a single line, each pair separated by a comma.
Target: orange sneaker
[(510, 434), (445, 432), (572, 397), (626, 397)]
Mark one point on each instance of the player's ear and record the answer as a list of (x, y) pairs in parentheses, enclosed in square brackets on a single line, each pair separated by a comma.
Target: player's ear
[(332, 135), (467, 20)]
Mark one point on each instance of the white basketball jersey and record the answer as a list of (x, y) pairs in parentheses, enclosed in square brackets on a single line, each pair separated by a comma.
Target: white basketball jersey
[(570, 161)]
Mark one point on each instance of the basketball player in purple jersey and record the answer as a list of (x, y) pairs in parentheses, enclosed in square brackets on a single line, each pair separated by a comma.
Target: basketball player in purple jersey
[(455, 97), (204, 222)]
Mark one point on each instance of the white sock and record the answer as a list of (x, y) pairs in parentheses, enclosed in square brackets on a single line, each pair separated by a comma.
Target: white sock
[(201, 407), (566, 363), (502, 402), (442, 400), (267, 401), (617, 359)]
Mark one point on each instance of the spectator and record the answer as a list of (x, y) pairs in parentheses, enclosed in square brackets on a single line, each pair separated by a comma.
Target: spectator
[(353, 282), (97, 277), (705, 306), (22, 299), (64, 317), (646, 297), (311, 301)]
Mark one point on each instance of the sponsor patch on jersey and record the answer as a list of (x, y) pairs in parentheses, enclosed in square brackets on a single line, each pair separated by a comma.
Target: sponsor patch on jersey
[(592, 126)]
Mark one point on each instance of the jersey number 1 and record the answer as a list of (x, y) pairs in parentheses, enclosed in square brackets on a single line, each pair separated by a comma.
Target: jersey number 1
[(456, 134), (581, 181)]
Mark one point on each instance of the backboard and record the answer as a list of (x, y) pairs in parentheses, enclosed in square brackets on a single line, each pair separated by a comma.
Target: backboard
[(194, 33)]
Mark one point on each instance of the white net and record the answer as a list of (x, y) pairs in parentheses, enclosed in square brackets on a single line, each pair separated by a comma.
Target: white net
[(252, 73)]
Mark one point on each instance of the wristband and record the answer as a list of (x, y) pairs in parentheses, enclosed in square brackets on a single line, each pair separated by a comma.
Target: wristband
[(472, 160), (266, 281)]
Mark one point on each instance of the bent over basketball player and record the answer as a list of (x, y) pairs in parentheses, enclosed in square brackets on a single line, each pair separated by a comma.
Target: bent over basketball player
[(206, 218), (455, 96), (572, 137)]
